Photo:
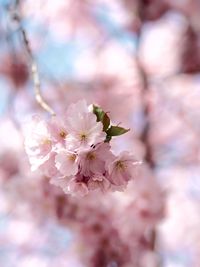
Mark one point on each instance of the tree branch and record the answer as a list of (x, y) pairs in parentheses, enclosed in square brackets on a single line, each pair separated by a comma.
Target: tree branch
[(34, 69), (145, 134)]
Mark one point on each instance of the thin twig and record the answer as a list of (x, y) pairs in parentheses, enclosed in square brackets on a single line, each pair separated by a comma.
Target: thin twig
[(34, 68)]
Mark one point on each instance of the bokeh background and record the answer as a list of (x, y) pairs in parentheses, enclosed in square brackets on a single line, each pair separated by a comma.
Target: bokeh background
[(140, 61)]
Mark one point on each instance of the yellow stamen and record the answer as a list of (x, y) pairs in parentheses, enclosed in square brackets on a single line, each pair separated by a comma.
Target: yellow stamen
[(83, 137), (91, 156), (46, 142), (120, 165), (63, 134), (72, 157)]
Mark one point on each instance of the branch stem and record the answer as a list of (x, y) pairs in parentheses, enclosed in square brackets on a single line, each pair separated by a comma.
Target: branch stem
[(33, 66)]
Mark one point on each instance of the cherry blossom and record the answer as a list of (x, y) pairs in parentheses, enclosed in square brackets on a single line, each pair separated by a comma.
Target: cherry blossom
[(48, 168), (38, 143), (78, 188), (93, 160), (98, 181), (82, 126), (66, 163), (121, 170), (57, 129), (75, 153)]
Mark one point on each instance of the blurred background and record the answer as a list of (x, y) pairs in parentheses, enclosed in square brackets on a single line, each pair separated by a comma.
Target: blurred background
[(138, 60)]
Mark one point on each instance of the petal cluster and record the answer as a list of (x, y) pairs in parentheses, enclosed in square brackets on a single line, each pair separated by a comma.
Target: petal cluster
[(75, 153)]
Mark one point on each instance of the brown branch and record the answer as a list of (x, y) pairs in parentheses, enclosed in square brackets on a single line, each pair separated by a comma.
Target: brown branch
[(34, 69), (145, 139), (146, 110), (145, 134)]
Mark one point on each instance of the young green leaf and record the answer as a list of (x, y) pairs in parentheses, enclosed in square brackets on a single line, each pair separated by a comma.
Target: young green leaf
[(98, 112), (116, 130), (101, 116)]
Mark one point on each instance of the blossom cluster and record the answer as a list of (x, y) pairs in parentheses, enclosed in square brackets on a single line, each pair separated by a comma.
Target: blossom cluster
[(75, 152)]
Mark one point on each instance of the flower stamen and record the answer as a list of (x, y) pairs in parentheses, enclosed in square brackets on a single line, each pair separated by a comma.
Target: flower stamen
[(63, 134), (91, 156), (72, 157), (83, 137), (120, 165)]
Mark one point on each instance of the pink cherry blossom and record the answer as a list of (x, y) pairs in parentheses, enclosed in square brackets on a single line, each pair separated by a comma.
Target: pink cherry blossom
[(71, 151), (57, 129), (93, 160), (82, 127), (66, 163), (98, 181), (38, 144), (77, 188), (121, 170), (48, 168)]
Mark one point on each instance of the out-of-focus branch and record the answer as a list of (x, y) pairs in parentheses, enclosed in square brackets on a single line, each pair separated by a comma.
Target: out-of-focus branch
[(145, 133), (145, 139), (34, 69), (146, 109)]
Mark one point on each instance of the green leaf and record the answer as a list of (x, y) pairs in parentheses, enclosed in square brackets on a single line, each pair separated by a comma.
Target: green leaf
[(112, 130), (98, 112), (116, 130), (101, 116)]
